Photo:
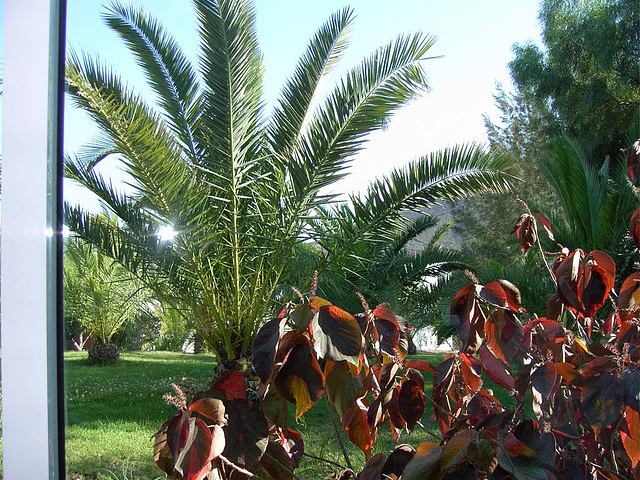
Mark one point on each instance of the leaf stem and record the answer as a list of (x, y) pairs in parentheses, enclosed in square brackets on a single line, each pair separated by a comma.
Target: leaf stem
[(337, 431), (335, 464), (228, 462)]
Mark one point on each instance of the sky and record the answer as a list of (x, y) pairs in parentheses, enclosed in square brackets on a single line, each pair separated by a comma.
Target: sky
[(475, 42)]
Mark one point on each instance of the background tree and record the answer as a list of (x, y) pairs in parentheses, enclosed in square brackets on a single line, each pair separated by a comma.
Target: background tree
[(587, 74), (101, 295), (238, 187), (583, 82)]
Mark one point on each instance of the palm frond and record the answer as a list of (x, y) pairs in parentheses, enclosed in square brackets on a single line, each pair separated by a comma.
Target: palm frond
[(168, 70), (324, 50)]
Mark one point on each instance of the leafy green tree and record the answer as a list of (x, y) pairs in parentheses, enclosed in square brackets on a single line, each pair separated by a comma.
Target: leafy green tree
[(241, 188), (587, 74), (100, 294)]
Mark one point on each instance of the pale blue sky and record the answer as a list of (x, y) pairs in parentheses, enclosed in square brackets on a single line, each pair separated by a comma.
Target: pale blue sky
[(475, 39)]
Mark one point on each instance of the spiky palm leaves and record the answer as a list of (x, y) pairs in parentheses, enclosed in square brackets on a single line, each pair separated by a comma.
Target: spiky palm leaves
[(241, 189), (99, 293)]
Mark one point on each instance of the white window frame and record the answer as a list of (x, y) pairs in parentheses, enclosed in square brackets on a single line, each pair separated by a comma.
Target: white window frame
[(32, 415)]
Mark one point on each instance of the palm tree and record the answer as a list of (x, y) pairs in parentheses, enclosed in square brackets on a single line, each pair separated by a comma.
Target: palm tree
[(242, 189), (101, 295)]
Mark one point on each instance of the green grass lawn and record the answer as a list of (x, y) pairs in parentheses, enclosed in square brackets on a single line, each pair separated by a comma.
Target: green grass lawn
[(113, 411)]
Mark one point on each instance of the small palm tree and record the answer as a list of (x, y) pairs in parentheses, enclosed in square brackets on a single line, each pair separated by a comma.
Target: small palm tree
[(243, 189), (101, 295)]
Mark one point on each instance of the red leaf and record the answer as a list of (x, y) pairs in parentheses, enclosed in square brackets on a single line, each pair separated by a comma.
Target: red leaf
[(546, 224), (514, 298), (421, 365), (397, 461), (455, 450), (471, 372), (631, 440), (504, 334), (358, 429), (277, 462), (543, 378), (293, 444), (566, 371), (232, 385), (246, 433), (495, 369), (494, 294), (602, 401), (468, 318), (634, 228), (211, 408), (194, 459), (633, 161), (337, 335), (395, 417), (629, 298), (264, 347), (411, 398), (372, 470), (425, 462), (524, 230)]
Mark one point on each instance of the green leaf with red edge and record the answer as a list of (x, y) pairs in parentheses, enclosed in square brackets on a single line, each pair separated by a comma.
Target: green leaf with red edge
[(634, 228), (358, 430), (631, 385), (276, 462), (471, 370), (411, 398), (275, 406), (525, 232), (543, 378), (211, 408), (372, 470), (503, 332), (629, 298), (521, 467), (337, 335), (246, 433), (631, 438), (264, 347), (601, 401), (422, 365), (343, 388), (496, 371), (455, 450), (493, 293), (301, 316), (232, 385), (298, 378), (194, 459), (425, 463)]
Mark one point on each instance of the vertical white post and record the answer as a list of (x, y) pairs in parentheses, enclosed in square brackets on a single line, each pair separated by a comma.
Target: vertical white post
[(29, 197)]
